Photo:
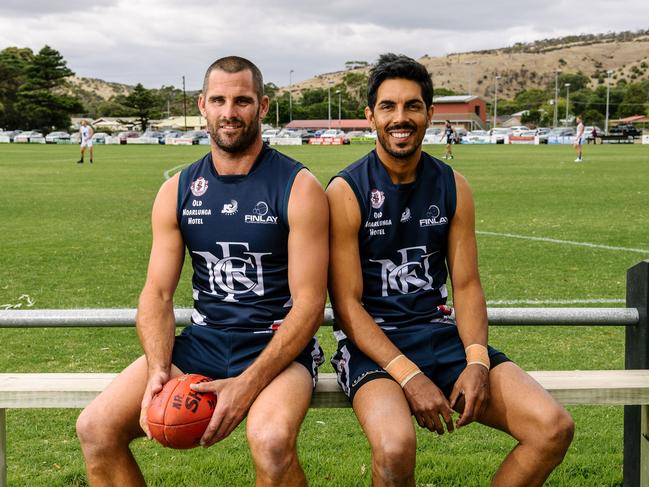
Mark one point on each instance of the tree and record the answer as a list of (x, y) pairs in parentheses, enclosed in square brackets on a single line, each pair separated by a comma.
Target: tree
[(39, 98), (634, 101), (145, 104), (13, 73)]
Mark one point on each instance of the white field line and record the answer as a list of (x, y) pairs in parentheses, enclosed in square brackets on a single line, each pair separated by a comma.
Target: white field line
[(564, 242), (508, 302), (167, 174)]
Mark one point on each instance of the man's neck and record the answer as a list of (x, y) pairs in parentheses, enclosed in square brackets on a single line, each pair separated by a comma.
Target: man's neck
[(235, 164), (401, 171)]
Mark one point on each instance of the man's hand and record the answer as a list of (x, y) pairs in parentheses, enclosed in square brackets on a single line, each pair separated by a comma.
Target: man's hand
[(234, 397), (427, 403), (473, 384), (156, 382)]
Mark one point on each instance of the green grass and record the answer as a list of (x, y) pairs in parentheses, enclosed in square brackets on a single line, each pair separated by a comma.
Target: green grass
[(78, 236)]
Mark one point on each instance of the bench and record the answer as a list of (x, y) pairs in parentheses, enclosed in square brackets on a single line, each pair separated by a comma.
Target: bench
[(616, 139), (629, 387)]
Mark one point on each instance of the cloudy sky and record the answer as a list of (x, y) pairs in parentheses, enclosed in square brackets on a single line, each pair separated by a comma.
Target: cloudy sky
[(157, 42)]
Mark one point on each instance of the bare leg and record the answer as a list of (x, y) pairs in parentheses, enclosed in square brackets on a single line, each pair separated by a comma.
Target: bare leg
[(518, 405), (108, 425), (273, 425), (393, 442)]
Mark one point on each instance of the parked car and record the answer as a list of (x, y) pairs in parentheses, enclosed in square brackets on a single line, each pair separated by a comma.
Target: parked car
[(154, 134), (337, 133), (499, 134), (267, 134), (129, 134), (543, 133), (25, 137), (626, 130), (306, 135), (588, 133), (517, 129), (11, 134), (195, 136), (54, 137), (99, 137)]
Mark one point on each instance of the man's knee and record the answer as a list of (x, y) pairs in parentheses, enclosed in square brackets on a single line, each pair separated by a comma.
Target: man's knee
[(393, 456), (555, 433), (273, 446), (98, 434)]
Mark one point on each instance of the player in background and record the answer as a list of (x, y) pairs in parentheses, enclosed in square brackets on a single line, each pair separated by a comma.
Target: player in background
[(85, 131), (255, 225), (401, 223), (451, 138), (579, 138)]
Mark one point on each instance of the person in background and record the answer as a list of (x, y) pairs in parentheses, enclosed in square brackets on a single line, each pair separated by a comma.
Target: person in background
[(85, 131)]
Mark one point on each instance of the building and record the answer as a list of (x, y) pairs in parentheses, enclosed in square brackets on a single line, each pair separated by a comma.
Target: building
[(468, 111)]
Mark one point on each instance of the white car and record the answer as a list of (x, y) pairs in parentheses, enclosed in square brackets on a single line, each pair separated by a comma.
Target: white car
[(54, 137), (267, 134), (29, 136), (518, 129)]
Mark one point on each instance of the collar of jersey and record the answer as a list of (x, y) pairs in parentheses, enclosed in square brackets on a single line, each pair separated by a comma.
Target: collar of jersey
[(235, 178)]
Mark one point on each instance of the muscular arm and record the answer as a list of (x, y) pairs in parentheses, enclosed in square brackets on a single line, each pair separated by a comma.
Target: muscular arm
[(468, 301), (426, 400), (155, 318), (308, 254)]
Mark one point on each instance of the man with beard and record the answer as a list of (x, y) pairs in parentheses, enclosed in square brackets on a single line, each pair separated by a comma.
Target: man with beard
[(255, 225), (401, 222)]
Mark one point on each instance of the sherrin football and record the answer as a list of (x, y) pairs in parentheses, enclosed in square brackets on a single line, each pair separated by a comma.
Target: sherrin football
[(177, 416)]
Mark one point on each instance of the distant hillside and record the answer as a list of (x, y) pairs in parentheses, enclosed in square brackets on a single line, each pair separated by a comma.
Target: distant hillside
[(530, 65)]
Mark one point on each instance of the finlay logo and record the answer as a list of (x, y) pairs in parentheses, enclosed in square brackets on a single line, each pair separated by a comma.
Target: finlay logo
[(230, 208), (260, 215), (433, 217)]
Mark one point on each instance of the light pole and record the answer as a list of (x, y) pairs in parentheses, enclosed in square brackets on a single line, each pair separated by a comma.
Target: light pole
[(555, 120), (470, 63), (329, 83), (276, 113), (608, 92), (495, 103), (290, 95), (339, 106), (567, 85)]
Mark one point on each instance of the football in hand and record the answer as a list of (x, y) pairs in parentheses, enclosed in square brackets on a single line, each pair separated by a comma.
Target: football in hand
[(177, 416)]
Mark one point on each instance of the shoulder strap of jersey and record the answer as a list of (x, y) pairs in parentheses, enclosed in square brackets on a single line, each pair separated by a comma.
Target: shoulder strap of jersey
[(357, 192), (182, 190), (287, 190)]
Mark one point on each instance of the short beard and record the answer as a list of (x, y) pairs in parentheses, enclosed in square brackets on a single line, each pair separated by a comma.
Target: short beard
[(383, 138), (233, 146)]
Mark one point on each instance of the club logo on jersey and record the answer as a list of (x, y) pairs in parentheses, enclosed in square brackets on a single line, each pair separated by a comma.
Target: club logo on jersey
[(405, 216), (433, 217), (260, 214), (236, 273), (230, 208), (410, 275), (377, 198), (199, 187)]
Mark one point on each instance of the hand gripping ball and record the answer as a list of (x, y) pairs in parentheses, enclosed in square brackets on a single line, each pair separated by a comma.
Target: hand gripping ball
[(177, 416)]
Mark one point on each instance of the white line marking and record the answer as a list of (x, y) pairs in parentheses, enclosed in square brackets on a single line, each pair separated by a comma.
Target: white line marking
[(554, 301), (167, 174), (566, 242)]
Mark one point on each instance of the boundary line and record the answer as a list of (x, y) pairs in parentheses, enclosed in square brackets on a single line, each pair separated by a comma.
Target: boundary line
[(167, 174), (566, 242), (554, 301)]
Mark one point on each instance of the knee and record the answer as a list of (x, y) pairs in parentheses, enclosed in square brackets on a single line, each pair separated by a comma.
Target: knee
[(273, 448), (96, 435), (393, 457), (557, 430)]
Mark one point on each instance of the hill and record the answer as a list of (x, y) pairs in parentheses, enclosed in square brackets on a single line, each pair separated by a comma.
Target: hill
[(533, 65)]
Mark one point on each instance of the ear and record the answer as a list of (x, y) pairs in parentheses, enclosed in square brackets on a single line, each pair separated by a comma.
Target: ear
[(264, 106), (431, 111), (201, 105), (369, 115)]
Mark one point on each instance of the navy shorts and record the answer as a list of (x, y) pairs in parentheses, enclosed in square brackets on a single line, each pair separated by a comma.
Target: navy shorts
[(436, 348), (221, 353)]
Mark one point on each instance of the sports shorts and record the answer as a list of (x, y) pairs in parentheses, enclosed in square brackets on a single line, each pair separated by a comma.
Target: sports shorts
[(220, 353), (579, 140), (87, 143), (435, 347)]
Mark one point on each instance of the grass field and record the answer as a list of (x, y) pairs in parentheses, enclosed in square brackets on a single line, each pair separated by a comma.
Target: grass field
[(78, 236)]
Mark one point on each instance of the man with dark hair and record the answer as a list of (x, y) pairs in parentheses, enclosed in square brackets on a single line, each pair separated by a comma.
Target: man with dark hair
[(255, 225), (401, 222)]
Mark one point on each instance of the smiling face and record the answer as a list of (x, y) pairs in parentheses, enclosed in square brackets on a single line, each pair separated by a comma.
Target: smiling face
[(233, 110), (400, 118)]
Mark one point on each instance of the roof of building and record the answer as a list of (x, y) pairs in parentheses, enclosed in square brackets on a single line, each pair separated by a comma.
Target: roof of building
[(632, 119), (343, 124), (454, 99)]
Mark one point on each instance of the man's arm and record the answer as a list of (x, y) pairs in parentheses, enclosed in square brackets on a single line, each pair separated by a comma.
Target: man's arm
[(156, 324), (468, 301), (308, 254), (426, 400)]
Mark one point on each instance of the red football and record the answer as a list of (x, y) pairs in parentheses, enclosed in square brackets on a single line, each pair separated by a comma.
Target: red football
[(177, 416)]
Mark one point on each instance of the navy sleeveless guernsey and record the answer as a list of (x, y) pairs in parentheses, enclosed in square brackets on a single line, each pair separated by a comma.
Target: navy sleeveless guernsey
[(236, 231), (403, 239)]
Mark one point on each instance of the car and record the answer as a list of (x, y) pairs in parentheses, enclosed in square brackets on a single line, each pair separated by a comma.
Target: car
[(194, 136), (588, 133), (11, 134), (29, 136), (99, 137), (305, 135), (267, 134), (128, 134), (626, 130), (498, 134), (54, 137), (154, 134), (517, 129), (543, 133), (335, 133)]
